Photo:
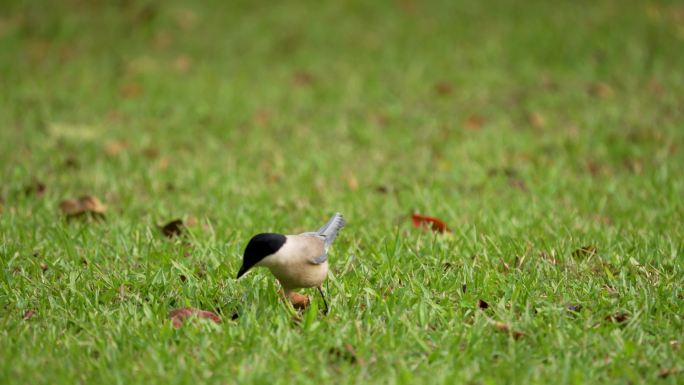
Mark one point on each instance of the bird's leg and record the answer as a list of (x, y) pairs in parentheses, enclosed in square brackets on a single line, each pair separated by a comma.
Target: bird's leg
[(324, 301)]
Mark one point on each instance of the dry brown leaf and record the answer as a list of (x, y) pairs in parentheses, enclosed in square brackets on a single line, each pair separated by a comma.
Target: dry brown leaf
[(130, 90), (86, 204), (443, 89), (382, 189), (474, 122), (619, 317), (186, 19), (347, 354), (302, 79), (536, 120), (667, 372), (352, 182), (518, 183), (191, 221), (601, 90), (163, 163), (151, 152), (173, 228), (178, 316), (161, 40), (595, 168), (261, 118), (183, 63), (506, 328), (115, 147), (28, 314), (37, 188), (378, 118)]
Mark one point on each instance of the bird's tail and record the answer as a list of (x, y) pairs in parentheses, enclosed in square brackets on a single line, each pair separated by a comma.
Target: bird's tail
[(329, 230)]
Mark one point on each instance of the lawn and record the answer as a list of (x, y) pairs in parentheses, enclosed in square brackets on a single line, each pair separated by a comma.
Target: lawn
[(548, 136)]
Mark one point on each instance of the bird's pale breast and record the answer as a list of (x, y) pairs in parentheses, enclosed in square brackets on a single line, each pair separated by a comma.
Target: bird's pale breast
[(292, 265)]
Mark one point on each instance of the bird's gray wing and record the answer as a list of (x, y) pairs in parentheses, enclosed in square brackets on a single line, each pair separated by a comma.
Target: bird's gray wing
[(327, 233), (320, 259)]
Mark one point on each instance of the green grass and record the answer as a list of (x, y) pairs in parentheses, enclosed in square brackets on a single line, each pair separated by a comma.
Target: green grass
[(532, 129)]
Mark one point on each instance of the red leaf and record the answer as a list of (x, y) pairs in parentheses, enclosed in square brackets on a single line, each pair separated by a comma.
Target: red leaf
[(178, 316), (28, 314), (434, 224)]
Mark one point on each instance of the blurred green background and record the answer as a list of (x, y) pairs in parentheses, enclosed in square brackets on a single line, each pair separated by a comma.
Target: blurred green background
[(532, 128)]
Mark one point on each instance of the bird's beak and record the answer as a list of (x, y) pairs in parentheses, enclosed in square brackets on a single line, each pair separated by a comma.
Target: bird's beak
[(242, 271)]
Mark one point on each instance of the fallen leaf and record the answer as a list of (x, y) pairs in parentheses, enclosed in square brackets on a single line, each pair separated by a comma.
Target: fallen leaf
[(28, 314), (348, 353), (482, 304), (161, 40), (618, 317), (506, 328), (163, 163), (130, 90), (86, 204), (186, 18), (302, 79), (190, 221), (518, 183), (378, 118), (600, 90), (655, 87), (37, 188), (585, 252), (178, 316), (426, 222), (443, 89), (92, 204), (115, 147), (173, 228), (407, 6), (71, 162), (183, 63), (299, 301), (382, 189), (122, 292), (536, 120), (352, 182), (44, 266), (595, 168), (473, 122), (261, 118), (633, 165), (151, 152), (666, 372)]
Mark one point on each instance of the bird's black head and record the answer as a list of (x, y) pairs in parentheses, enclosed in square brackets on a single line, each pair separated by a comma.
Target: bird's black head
[(258, 248)]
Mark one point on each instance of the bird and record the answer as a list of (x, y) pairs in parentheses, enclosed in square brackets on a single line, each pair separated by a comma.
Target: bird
[(297, 261)]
